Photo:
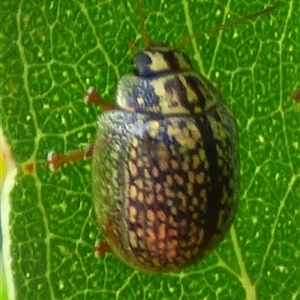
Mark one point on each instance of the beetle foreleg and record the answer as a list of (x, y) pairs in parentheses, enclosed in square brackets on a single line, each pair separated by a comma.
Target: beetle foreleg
[(93, 97), (56, 160)]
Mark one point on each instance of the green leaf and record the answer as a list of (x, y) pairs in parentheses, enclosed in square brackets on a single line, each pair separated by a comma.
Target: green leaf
[(51, 51)]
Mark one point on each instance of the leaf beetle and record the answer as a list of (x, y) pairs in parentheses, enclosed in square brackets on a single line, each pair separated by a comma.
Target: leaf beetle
[(165, 164)]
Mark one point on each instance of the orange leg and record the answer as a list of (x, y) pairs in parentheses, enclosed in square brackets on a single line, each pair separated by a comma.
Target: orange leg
[(101, 248), (56, 160), (93, 97)]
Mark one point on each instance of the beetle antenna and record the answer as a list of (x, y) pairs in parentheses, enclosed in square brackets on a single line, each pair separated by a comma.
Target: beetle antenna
[(186, 39), (145, 36)]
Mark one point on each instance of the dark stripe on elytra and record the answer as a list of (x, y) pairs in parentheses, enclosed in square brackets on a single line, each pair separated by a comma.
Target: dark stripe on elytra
[(214, 191), (196, 86), (171, 60), (174, 85)]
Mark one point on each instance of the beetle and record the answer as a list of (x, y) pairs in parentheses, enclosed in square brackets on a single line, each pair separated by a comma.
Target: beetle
[(165, 163)]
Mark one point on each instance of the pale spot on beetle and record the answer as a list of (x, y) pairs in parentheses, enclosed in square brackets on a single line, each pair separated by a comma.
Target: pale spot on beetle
[(150, 215), (162, 231), (183, 202), (162, 156), (174, 131), (141, 217), (190, 188), (202, 155), (191, 177), (132, 214), (133, 239), (218, 130), (158, 188), (143, 246), (155, 172), (161, 215), (182, 139), (150, 239), (158, 62), (171, 253), (170, 193), (153, 128), (195, 201), (174, 164), (140, 197), (173, 233), (134, 142), (168, 100), (171, 221), (150, 199), (174, 210), (172, 249), (156, 262), (160, 199), (132, 169), (133, 192), (206, 165), (147, 177), (163, 165), (140, 232), (132, 154), (195, 133), (169, 179), (139, 183), (200, 178), (179, 180), (161, 245), (140, 163), (185, 165), (140, 101), (196, 161)]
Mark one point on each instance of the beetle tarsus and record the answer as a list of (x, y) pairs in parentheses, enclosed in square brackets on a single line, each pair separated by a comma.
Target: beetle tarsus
[(93, 97), (56, 160), (101, 248)]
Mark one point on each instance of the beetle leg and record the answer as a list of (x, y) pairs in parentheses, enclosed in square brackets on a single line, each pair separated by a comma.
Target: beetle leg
[(56, 160), (101, 248), (93, 97)]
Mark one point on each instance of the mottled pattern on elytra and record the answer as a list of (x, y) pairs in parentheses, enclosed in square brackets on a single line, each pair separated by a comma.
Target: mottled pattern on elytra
[(162, 200)]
